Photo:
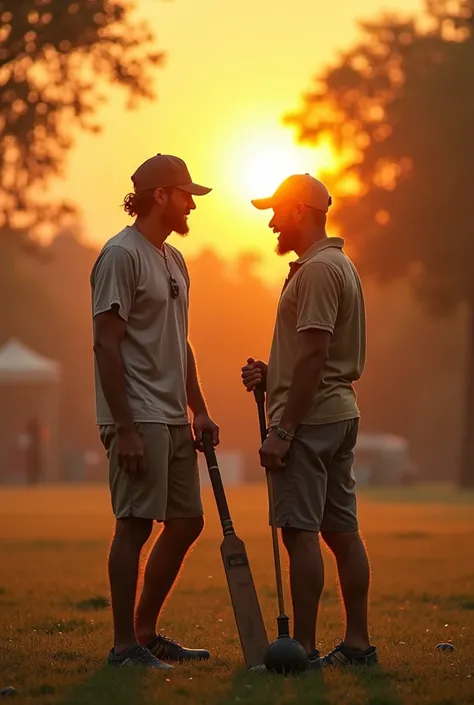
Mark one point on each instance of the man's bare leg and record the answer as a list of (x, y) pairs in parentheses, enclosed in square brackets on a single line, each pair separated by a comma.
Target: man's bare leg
[(163, 566), (130, 536), (306, 582), (354, 577)]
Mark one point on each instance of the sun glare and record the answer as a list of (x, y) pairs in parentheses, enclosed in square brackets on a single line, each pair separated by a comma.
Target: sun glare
[(264, 161)]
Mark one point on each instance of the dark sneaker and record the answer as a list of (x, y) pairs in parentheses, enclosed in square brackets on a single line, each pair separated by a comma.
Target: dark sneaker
[(163, 647), (342, 655), (314, 657), (136, 656)]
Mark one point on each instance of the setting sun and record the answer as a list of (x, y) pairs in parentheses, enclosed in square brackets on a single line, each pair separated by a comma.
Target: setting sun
[(264, 158)]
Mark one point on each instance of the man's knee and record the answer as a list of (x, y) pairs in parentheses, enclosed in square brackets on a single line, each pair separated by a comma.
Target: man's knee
[(294, 539), (341, 541), (185, 531), (133, 530)]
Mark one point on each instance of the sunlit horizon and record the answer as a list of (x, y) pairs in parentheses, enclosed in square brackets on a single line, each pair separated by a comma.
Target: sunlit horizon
[(263, 159), (221, 99)]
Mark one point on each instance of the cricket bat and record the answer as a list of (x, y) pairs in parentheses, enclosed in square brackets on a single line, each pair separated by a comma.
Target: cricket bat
[(248, 616)]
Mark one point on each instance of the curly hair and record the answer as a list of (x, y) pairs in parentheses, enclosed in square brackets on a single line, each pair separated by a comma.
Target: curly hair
[(139, 204)]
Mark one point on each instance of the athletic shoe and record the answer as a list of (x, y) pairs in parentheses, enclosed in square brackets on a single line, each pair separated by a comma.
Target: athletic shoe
[(342, 655), (136, 656), (314, 657), (163, 647)]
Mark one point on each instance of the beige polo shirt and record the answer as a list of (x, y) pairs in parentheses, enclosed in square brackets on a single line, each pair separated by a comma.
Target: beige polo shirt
[(324, 291), (131, 273)]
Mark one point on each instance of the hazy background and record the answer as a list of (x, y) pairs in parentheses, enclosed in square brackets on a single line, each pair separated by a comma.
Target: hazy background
[(231, 71)]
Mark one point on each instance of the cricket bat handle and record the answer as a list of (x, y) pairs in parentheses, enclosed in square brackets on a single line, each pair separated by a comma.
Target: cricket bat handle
[(216, 482), (259, 394)]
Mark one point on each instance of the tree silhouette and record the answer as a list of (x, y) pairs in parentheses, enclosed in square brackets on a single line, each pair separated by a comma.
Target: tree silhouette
[(399, 107), (56, 56)]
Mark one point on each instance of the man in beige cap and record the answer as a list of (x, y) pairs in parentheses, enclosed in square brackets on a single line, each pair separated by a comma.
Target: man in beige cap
[(145, 376), (318, 352)]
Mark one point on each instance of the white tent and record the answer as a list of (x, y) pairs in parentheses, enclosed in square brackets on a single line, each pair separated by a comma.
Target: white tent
[(20, 368), (19, 364)]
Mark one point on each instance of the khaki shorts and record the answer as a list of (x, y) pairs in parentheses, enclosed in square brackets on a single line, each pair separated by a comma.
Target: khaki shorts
[(316, 489), (170, 488)]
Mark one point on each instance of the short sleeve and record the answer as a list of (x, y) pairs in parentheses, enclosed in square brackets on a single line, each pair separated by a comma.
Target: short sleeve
[(113, 282), (320, 288)]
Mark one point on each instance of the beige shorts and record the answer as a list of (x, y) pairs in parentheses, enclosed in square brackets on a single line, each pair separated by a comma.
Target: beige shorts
[(170, 488), (316, 489)]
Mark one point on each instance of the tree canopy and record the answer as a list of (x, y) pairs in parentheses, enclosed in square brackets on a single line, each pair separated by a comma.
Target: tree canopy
[(56, 58), (399, 109)]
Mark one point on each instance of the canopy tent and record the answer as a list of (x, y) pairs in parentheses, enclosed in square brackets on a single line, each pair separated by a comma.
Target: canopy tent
[(23, 370), (19, 363)]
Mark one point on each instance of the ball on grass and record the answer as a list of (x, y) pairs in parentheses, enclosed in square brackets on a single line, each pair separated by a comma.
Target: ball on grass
[(9, 690), (444, 646)]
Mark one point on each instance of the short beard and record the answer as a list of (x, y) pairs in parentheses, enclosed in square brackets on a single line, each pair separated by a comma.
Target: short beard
[(176, 223), (284, 246), (181, 230)]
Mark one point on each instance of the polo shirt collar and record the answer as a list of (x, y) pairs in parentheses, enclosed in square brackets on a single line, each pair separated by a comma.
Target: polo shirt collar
[(322, 244)]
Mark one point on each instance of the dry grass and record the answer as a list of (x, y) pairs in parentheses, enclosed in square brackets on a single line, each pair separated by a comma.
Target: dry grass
[(55, 628)]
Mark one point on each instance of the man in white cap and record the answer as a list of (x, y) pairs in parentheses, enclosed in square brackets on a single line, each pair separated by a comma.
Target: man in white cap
[(317, 354), (145, 376)]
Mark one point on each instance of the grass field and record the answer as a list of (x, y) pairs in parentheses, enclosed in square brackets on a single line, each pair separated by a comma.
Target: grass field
[(55, 627)]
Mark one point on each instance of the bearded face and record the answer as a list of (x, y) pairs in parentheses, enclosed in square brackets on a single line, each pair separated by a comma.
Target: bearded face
[(175, 214), (287, 226)]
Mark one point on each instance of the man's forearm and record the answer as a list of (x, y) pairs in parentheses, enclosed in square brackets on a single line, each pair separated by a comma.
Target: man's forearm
[(195, 397), (112, 379), (305, 381)]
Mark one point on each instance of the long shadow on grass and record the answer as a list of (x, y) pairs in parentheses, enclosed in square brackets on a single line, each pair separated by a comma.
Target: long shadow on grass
[(307, 689), (117, 686), (266, 689), (378, 684)]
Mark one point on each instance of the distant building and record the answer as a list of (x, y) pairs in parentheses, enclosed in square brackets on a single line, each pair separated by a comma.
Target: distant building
[(29, 415), (383, 459)]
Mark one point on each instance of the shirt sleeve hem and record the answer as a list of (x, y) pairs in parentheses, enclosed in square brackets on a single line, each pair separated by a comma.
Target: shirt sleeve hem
[(318, 326), (107, 307)]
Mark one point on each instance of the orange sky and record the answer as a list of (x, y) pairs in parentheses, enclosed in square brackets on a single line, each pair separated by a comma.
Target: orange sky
[(232, 70)]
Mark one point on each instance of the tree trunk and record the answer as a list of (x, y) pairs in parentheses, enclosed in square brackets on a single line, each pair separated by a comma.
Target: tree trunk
[(466, 476)]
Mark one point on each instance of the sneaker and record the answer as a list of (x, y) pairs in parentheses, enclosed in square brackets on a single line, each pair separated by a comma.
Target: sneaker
[(314, 657), (163, 647), (342, 655), (136, 656)]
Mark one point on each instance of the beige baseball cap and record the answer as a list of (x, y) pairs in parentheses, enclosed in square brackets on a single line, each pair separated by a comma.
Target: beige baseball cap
[(164, 170), (301, 188)]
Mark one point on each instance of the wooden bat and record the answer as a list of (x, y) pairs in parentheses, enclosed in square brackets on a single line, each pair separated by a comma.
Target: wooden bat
[(248, 616)]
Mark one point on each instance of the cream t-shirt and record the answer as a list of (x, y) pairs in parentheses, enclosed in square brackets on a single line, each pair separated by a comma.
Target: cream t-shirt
[(131, 273)]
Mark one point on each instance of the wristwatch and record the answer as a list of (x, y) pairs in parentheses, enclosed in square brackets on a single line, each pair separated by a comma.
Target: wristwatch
[(284, 435)]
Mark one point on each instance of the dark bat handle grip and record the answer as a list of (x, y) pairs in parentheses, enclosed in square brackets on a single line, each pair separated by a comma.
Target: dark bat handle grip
[(216, 481), (259, 394)]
